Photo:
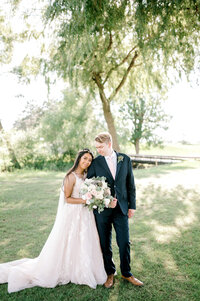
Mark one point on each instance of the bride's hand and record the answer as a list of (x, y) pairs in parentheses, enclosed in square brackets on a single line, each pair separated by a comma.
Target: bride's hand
[(83, 201), (113, 204)]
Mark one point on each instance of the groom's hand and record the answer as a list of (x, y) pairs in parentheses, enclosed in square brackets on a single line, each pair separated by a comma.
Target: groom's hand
[(131, 212), (113, 204)]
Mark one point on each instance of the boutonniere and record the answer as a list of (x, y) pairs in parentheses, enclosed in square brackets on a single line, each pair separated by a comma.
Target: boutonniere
[(119, 159)]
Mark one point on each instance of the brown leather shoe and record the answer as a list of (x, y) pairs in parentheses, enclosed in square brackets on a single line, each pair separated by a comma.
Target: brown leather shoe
[(110, 281), (133, 280)]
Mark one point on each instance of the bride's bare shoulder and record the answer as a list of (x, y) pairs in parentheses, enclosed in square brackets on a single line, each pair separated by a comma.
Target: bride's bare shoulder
[(70, 179)]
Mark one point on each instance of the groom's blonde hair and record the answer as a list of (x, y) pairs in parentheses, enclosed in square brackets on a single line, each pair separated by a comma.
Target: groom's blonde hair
[(103, 137)]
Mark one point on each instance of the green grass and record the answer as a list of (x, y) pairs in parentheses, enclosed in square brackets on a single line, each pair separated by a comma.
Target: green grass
[(164, 234), (160, 170), (177, 149)]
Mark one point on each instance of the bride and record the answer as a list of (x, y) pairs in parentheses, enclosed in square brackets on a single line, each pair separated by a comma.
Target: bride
[(72, 251)]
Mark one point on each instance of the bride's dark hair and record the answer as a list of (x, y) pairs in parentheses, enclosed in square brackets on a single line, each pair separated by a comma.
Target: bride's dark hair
[(78, 158)]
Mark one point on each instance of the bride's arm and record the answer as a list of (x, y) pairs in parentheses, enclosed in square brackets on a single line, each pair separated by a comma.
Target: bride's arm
[(68, 188)]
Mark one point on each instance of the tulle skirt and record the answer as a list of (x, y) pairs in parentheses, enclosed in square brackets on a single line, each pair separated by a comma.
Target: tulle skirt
[(71, 254)]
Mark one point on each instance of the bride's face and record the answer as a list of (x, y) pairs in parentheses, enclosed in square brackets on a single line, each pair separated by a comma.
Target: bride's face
[(85, 161)]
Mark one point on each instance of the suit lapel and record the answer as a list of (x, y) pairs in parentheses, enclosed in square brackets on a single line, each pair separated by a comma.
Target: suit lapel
[(119, 164)]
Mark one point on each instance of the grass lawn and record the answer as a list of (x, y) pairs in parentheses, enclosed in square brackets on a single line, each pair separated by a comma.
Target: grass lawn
[(164, 234), (175, 149)]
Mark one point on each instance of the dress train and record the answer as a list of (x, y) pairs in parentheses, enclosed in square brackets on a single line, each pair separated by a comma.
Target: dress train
[(71, 253)]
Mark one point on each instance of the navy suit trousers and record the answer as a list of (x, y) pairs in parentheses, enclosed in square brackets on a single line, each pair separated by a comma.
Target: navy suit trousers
[(104, 221)]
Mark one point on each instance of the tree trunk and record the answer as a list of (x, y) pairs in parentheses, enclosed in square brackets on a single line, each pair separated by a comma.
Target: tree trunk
[(96, 76), (106, 110), (12, 155), (137, 146), (111, 126)]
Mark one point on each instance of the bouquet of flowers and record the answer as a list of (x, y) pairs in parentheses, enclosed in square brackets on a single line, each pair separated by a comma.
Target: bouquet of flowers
[(96, 193)]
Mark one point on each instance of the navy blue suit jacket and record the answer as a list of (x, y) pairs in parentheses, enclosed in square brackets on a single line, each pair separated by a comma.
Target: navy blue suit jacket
[(123, 186)]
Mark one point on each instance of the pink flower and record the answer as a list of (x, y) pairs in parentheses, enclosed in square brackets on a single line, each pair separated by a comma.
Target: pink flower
[(93, 192), (88, 196)]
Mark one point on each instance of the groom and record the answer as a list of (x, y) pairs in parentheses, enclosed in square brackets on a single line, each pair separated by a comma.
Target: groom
[(117, 169)]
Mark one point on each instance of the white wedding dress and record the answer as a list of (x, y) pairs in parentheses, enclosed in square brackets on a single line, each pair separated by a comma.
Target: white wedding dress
[(71, 253)]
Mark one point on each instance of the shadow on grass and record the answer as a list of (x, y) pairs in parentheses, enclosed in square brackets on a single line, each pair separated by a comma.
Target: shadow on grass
[(164, 250), (164, 246), (165, 243)]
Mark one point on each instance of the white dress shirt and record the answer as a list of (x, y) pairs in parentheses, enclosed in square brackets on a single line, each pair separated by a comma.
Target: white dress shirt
[(113, 157)]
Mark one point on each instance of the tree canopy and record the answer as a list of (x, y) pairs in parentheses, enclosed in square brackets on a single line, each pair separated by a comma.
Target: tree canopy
[(145, 117), (98, 43), (6, 40), (105, 46)]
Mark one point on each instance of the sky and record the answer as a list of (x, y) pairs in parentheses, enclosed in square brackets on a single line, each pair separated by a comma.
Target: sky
[(15, 95), (183, 104)]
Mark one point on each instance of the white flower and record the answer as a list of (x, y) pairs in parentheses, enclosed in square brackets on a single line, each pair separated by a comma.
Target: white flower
[(94, 207), (104, 184), (107, 202), (88, 202), (99, 195), (91, 187), (88, 181), (84, 187)]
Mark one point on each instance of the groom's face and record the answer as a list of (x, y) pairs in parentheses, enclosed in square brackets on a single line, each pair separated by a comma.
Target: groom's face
[(103, 149)]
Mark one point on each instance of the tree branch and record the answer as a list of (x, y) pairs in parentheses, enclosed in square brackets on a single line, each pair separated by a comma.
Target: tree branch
[(118, 65), (124, 77), (97, 79), (110, 43)]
